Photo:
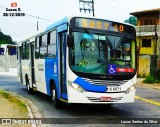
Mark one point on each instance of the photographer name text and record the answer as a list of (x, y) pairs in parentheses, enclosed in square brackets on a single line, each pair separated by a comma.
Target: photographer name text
[(139, 122)]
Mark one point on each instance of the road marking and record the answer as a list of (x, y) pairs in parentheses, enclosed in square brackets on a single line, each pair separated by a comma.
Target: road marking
[(148, 101)]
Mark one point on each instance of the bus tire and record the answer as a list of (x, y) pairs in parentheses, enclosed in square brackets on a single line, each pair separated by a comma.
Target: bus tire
[(29, 89), (54, 97)]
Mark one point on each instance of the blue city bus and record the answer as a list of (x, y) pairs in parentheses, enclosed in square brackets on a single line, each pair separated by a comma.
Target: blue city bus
[(81, 60)]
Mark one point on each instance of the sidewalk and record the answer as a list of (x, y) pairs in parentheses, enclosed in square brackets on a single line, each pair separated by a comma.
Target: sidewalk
[(146, 85), (12, 106), (12, 72)]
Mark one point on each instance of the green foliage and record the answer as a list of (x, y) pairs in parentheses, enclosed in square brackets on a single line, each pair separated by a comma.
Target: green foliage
[(157, 74), (20, 104), (150, 79), (5, 39), (132, 20), (13, 98), (153, 78), (5, 95)]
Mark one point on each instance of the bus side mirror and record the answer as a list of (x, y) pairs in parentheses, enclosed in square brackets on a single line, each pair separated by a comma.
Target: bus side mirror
[(70, 41)]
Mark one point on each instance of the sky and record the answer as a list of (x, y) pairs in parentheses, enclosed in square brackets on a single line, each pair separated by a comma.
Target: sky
[(49, 11)]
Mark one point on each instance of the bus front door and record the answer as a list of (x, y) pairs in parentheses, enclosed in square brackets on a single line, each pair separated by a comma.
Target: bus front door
[(32, 65), (62, 71)]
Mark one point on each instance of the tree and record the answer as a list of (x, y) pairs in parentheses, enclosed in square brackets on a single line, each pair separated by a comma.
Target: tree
[(5, 39), (132, 20)]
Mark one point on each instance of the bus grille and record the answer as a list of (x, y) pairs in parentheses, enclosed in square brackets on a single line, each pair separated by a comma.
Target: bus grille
[(106, 82)]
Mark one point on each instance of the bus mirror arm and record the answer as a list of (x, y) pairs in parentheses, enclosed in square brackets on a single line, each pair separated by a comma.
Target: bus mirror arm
[(70, 40)]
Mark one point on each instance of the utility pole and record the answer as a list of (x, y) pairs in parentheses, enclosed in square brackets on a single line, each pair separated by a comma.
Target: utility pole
[(155, 47), (37, 24), (88, 5)]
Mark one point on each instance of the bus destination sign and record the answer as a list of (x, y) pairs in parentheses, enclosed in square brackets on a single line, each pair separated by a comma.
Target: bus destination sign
[(103, 25)]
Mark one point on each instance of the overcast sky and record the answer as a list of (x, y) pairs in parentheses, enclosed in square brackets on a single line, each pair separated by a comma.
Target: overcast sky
[(53, 10)]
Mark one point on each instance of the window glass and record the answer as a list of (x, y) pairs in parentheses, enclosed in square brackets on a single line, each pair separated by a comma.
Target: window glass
[(27, 51), (119, 50), (43, 46), (146, 42), (23, 50), (37, 48), (52, 45), (100, 54), (12, 51)]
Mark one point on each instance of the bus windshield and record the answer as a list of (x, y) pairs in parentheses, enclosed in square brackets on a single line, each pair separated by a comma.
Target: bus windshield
[(102, 54)]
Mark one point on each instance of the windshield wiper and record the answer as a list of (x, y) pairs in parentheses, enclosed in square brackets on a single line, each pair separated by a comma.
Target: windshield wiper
[(94, 39)]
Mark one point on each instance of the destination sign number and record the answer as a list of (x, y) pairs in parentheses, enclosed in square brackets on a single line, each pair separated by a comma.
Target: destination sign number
[(103, 25)]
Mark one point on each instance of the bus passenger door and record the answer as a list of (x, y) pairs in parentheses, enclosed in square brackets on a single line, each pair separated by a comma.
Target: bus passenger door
[(62, 71), (32, 64), (20, 64)]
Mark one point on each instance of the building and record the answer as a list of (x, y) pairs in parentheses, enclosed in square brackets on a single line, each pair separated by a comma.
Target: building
[(8, 49), (8, 59), (148, 41)]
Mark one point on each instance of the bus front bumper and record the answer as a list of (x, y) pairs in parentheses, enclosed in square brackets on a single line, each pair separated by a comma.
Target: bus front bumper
[(93, 97)]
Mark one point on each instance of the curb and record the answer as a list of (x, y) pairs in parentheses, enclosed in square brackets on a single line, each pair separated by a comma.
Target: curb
[(28, 108), (26, 104)]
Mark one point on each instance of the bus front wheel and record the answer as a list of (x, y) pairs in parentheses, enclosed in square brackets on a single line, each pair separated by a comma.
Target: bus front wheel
[(56, 102)]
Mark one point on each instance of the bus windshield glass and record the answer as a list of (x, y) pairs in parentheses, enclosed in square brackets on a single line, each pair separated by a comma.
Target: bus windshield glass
[(102, 54)]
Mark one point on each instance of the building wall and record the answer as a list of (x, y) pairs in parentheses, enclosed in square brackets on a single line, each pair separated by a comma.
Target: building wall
[(146, 54), (145, 57), (148, 20), (144, 65), (158, 61), (148, 57), (145, 50)]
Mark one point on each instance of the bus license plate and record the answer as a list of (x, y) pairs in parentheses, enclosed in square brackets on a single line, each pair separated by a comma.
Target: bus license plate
[(114, 89), (104, 98)]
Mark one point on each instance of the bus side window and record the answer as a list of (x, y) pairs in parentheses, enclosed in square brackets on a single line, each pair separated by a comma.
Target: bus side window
[(37, 48), (43, 46), (23, 50), (27, 50), (52, 44)]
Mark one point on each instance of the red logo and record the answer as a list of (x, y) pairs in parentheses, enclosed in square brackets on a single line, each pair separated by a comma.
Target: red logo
[(14, 4), (103, 98), (125, 70)]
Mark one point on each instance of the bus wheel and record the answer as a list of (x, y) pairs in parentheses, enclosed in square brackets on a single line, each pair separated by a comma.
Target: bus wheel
[(56, 102), (30, 90)]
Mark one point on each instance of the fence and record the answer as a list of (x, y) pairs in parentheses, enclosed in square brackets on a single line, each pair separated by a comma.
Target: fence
[(7, 61)]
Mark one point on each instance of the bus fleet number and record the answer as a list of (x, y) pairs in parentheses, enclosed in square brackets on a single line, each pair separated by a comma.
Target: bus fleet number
[(114, 89)]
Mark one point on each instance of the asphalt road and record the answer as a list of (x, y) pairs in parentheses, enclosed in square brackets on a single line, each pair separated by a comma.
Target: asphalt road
[(139, 109)]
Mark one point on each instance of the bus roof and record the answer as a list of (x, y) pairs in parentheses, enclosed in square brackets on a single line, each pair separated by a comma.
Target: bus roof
[(57, 23), (68, 18)]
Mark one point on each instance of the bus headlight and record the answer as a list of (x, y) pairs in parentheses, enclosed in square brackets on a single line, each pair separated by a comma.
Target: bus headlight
[(76, 87), (130, 89)]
